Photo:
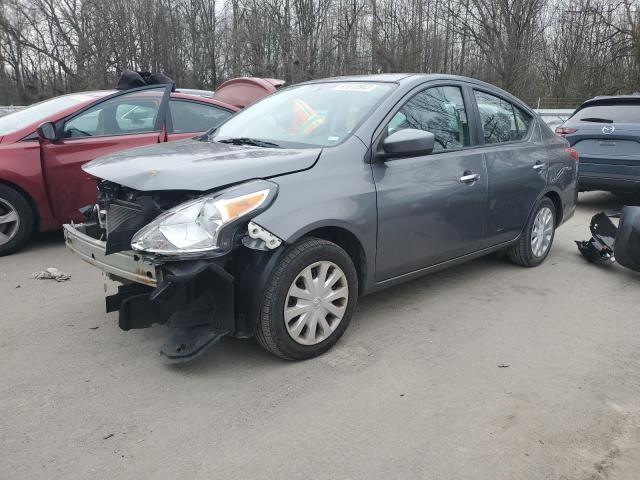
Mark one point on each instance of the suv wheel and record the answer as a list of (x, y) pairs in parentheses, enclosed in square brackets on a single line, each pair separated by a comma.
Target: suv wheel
[(309, 300), (535, 243), (16, 220)]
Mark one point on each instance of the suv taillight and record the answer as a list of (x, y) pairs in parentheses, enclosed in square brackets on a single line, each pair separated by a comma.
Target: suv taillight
[(573, 153), (565, 130)]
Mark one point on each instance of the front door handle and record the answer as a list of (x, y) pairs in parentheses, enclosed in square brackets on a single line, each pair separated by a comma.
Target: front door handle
[(469, 177), (538, 166)]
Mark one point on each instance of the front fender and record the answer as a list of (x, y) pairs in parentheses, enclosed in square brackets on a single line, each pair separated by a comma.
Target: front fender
[(337, 192), (20, 169)]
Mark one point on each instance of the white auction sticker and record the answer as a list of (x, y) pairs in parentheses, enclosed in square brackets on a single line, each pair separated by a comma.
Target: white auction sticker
[(356, 87)]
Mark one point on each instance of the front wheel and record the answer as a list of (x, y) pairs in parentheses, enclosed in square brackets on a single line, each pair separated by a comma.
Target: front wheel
[(536, 240), (309, 300), (17, 220)]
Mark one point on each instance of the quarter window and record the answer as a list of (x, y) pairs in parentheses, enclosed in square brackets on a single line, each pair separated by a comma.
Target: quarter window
[(439, 110), (192, 117), (501, 120)]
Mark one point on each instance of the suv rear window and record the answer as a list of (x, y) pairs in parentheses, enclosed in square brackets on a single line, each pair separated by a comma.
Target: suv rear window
[(621, 113)]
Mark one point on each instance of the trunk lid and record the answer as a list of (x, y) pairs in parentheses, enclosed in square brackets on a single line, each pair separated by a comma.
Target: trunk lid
[(607, 143)]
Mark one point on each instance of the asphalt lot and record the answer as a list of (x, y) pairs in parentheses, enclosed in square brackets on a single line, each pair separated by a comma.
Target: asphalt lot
[(413, 390)]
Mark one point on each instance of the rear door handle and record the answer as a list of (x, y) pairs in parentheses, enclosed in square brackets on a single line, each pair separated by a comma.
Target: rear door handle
[(538, 166), (469, 177)]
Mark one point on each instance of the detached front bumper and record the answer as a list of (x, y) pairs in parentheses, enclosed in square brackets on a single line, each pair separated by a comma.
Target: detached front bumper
[(122, 266), (195, 298)]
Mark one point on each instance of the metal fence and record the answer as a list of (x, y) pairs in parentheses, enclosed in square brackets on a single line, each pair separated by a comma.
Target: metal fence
[(554, 103), (554, 117)]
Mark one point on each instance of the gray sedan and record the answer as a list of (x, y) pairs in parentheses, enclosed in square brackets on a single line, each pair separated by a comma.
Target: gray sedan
[(276, 222)]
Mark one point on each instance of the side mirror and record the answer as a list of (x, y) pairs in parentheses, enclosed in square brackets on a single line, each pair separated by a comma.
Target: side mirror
[(408, 142), (47, 131)]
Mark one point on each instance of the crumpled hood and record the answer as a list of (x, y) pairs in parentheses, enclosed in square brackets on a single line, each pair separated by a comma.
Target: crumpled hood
[(197, 165)]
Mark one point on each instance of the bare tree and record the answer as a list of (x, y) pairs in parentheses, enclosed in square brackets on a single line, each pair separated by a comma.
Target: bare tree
[(562, 50)]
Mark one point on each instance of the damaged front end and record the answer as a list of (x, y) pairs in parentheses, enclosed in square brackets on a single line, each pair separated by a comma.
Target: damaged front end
[(192, 262), (610, 244)]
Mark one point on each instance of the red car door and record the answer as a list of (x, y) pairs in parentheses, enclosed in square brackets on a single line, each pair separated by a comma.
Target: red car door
[(188, 118), (128, 119)]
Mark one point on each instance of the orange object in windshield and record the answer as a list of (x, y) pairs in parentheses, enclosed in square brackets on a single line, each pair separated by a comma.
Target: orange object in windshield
[(305, 118)]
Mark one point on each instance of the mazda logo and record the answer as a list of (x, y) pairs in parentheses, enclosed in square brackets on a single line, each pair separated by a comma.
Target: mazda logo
[(608, 129)]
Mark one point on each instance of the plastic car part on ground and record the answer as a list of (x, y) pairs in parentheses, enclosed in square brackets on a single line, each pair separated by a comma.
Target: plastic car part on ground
[(610, 243), (52, 274), (600, 247)]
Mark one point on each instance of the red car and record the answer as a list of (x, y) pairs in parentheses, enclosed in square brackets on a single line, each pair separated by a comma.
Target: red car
[(43, 146)]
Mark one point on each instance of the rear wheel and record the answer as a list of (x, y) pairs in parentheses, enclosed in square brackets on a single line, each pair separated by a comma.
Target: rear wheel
[(535, 243), (309, 301), (17, 220)]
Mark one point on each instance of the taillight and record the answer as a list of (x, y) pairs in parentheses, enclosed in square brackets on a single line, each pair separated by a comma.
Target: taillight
[(573, 153), (565, 130)]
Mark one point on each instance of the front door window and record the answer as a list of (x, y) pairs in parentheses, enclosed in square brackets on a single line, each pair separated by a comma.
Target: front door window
[(131, 113), (439, 110)]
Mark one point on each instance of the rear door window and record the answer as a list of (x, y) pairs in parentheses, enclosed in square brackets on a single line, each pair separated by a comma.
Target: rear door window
[(608, 114), (192, 117), (501, 120)]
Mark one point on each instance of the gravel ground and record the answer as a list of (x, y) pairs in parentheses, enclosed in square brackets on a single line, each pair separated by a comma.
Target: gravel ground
[(484, 371)]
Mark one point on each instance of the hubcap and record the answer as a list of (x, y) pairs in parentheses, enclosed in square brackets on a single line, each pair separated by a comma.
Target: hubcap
[(9, 221), (542, 232), (316, 302)]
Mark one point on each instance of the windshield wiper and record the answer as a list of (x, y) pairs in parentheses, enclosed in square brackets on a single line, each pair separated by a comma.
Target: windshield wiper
[(254, 142), (596, 119)]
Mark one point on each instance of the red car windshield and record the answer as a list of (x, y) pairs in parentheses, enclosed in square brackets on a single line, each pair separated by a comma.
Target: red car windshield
[(38, 112)]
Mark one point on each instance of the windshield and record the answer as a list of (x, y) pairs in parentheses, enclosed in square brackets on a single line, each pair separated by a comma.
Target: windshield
[(628, 113), (38, 112), (314, 115)]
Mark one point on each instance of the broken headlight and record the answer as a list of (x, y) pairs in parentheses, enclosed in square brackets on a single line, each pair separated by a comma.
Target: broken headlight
[(206, 224)]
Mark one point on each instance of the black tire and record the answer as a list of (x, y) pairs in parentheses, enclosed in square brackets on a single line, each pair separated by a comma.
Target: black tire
[(521, 252), (26, 220), (271, 331)]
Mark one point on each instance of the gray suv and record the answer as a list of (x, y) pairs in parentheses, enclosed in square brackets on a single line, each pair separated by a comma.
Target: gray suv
[(605, 131), (274, 223)]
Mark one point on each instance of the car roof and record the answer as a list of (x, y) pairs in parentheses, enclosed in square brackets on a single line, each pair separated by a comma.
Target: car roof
[(94, 93), (181, 95), (405, 78), (378, 77), (634, 96), (412, 79), (195, 91), (610, 100), (400, 78)]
